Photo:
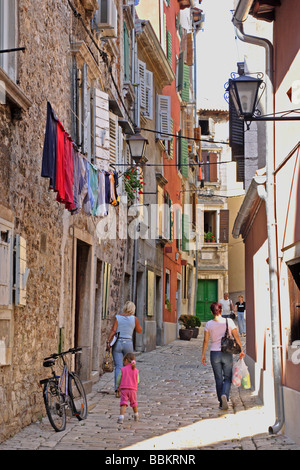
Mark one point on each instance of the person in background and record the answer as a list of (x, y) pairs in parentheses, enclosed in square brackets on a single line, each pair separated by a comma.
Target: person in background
[(123, 326), (127, 382), (221, 361), (240, 308), (226, 305)]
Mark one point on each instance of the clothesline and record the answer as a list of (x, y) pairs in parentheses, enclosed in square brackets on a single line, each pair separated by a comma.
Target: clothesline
[(77, 182)]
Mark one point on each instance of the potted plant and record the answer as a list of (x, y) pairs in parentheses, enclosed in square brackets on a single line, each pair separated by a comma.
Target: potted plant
[(209, 237), (133, 182), (197, 324), (187, 323)]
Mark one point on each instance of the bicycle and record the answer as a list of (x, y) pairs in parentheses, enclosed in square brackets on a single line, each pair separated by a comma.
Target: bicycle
[(63, 392)]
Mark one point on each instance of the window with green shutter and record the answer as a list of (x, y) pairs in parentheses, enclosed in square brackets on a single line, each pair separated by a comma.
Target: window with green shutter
[(184, 157), (180, 65), (169, 48), (185, 92), (185, 232)]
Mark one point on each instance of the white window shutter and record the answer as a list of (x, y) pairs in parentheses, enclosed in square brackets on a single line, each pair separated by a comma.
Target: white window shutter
[(101, 120), (149, 94), (163, 117), (142, 87), (6, 263), (22, 271), (120, 146)]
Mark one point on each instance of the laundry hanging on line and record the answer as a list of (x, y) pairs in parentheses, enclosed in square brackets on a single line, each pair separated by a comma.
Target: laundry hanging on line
[(77, 182)]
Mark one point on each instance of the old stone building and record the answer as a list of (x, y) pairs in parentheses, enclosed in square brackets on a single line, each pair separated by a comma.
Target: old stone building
[(61, 282)]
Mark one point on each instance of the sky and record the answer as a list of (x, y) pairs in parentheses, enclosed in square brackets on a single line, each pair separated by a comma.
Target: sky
[(217, 53)]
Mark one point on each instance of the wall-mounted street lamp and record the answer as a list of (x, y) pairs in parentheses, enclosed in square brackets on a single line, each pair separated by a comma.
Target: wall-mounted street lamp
[(245, 93), (137, 146)]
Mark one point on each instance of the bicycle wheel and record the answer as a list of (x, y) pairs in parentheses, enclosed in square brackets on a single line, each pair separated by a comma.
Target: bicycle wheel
[(55, 405), (78, 396)]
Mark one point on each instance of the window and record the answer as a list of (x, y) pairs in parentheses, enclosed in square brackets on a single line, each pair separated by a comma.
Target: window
[(294, 292), (216, 226), (184, 157), (167, 289), (169, 48), (163, 120), (115, 139), (145, 90), (126, 55), (150, 293), (185, 232), (83, 111), (8, 34), (6, 263), (210, 167), (210, 226), (183, 78), (184, 280)]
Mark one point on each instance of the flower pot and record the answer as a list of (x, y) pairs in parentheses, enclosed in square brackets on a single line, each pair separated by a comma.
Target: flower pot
[(185, 334), (195, 332)]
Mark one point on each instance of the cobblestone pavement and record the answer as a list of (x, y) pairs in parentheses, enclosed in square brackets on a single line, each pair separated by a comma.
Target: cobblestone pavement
[(178, 410)]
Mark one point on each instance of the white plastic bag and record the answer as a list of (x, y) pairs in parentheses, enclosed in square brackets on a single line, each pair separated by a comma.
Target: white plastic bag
[(239, 372)]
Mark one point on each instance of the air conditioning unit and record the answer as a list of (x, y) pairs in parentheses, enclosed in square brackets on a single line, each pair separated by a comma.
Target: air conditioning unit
[(106, 18)]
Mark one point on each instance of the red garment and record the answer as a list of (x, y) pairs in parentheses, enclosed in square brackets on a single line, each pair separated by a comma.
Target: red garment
[(60, 163), (69, 200)]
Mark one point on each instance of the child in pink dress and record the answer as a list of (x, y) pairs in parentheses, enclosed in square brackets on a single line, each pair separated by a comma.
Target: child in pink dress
[(127, 383)]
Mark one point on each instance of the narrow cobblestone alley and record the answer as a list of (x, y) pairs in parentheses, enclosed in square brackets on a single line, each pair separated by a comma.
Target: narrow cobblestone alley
[(178, 411)]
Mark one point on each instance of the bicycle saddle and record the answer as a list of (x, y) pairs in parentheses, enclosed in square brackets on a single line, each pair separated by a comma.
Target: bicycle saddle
[(49, 363)]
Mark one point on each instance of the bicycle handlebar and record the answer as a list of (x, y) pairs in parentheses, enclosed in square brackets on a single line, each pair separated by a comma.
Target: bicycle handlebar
[(70, 351)]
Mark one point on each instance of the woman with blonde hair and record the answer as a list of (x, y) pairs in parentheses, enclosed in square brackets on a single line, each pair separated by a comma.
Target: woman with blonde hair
[(124, 326)]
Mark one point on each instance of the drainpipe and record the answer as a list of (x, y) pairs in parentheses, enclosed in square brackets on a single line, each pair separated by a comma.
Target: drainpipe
[(267, 194)]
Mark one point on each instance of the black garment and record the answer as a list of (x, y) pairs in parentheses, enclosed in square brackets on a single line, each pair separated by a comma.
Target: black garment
[(241, 306)]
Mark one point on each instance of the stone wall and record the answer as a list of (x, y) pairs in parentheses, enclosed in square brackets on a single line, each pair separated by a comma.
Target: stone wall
[(48, 317)]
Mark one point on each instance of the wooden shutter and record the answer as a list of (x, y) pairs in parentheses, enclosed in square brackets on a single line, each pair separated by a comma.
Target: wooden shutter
[(149, 94), (184, 157), (126, 55), (6, 263), (224, 226), (213, 167), (21, 271), (101, 124), (178, 228), (185, 232), (85, 109), (171, 142), (150, 293), (185, 92), (163, 121), (236, 132), (106, 289), (189, 49), (169, 48), (113, 138), (142, 84), (180, 71)]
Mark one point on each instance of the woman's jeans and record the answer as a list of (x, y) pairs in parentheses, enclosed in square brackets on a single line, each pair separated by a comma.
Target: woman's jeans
[(121, 347), (241, 322), (222, 367)]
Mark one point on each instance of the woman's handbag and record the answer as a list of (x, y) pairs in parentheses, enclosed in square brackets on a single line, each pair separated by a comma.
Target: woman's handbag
[(108, 363), (229, 344)]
